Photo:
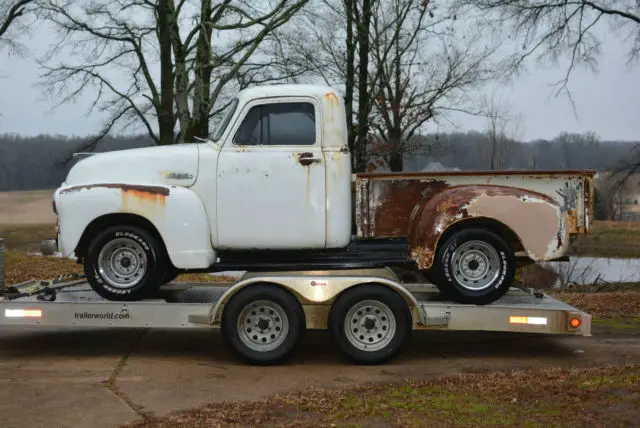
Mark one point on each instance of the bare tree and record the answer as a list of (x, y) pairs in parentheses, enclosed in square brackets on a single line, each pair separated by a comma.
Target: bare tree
[(502, 129), (427, 67), (551, 29), (554, 29), (418, 68), (331, 40), (10, 13), (158, 62)]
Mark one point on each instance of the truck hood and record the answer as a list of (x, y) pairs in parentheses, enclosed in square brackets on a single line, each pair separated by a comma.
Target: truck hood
[(175, 165)]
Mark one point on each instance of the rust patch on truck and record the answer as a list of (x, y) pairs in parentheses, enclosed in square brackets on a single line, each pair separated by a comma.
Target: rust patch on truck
[(306, 158), (534, 218), (140, 201), (134, 194), (390, 205), (332, 98), (152, 190)]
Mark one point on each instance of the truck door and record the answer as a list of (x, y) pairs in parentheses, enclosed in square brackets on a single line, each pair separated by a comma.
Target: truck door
[(271, 188)]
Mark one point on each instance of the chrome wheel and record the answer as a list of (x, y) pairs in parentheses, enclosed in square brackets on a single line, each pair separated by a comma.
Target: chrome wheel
[(475, 265), (263, 326), (369, 325), (122, 263)]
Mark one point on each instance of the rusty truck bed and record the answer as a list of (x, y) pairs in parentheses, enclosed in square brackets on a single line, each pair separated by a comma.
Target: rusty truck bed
[(385, 202)]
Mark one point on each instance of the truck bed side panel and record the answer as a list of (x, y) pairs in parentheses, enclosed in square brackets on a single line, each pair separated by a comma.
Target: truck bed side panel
[(386, 202)]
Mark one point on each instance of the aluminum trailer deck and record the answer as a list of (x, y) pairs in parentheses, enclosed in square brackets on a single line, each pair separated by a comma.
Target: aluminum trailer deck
[(369, 314)]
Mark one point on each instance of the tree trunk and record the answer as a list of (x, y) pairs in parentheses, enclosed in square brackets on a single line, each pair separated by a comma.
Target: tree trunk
[(348, 98), (396, 161), (166, 119), (181, 76), (396, 155), (363, 85), (493, 154), (203, 70)]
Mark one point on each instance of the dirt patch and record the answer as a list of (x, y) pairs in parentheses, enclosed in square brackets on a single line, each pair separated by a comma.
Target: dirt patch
[(26, 207)]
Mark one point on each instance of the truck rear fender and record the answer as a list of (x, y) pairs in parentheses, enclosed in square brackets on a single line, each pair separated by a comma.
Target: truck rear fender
[(534, 219), (176, 213)]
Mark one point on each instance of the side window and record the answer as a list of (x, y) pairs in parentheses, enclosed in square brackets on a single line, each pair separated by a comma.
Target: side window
[(249, 133), (291, 124), (280, 124)]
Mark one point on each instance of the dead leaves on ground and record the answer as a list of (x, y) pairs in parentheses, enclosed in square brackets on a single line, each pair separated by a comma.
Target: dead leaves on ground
[(588, 397), (605, 305), (20, 267)]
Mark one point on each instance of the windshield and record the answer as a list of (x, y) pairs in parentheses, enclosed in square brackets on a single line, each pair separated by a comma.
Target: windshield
[(225, 120)]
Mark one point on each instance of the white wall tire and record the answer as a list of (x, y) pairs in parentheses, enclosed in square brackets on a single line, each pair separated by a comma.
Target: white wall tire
[(474, 266), (124, 263)]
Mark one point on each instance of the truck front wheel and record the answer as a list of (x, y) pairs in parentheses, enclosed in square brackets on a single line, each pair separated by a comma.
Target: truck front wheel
[(474, 266), (124, 263)]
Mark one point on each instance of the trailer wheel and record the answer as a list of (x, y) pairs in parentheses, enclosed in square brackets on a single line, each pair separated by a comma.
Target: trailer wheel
[(370, 324), (263, 324), (474, 266), (123, 263)]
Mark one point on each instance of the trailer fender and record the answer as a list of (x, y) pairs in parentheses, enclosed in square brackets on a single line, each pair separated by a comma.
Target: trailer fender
[(177, 214), (317, 290), (535, 219)]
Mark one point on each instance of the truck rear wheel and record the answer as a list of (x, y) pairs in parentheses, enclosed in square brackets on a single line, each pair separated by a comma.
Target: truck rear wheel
[(474, 266), (124, 263), (263, 324), (370, 324)]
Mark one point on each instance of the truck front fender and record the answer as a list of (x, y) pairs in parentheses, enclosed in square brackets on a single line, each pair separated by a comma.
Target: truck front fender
[(535, 219), (177, 213)]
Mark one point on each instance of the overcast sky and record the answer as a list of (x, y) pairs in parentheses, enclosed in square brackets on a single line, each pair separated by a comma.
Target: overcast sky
[(608, 103)]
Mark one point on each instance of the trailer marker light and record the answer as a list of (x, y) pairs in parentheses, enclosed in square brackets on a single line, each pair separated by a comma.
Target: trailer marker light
[(22, 313), (575, 322), (528, 320)]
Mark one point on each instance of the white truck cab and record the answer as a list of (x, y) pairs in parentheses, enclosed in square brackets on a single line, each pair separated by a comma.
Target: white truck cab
[(275, 175)]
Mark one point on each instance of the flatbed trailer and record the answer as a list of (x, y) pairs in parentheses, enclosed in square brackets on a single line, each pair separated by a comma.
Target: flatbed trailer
[(369, 313)]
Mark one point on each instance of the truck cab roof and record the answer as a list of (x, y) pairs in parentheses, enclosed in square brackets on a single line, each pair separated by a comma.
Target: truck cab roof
[(284, 90)]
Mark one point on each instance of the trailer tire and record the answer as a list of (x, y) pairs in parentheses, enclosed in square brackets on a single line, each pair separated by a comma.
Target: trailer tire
[(127, 245), (263, 324), (474, 266), (370, 324)]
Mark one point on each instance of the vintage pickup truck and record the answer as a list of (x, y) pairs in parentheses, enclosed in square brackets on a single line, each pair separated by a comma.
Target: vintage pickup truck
[(273, 190)]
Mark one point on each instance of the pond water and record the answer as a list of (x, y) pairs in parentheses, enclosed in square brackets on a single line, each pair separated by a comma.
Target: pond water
[(589, 270)]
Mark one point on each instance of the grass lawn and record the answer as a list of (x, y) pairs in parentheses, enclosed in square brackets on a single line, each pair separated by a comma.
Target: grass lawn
[(581, 397), (24, 236), (610, 239)]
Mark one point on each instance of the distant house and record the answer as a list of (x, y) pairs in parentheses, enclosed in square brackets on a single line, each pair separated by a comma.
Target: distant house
[(623, 202)]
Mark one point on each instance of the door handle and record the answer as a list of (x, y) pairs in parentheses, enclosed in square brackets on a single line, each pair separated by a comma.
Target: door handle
[(306, 159)]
